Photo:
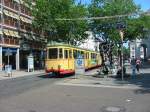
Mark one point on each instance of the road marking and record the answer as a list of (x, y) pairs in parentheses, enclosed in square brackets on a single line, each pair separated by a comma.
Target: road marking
[(102, 86), (128, 100)]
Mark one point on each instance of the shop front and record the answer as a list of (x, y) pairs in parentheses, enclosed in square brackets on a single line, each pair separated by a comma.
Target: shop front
[(9, 56), (34, 49)]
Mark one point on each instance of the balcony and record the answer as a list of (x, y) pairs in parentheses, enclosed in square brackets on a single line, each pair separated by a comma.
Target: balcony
[(11, 4), (11, 41)]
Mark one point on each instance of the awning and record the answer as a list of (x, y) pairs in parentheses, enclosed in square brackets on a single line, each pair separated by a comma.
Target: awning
[(11, 33), (24, 3), (21, 1), (16, 34), (26, 20), (33, 37), (17, 1), (6, 12), (6, 32), (11, 14), (26, 36)]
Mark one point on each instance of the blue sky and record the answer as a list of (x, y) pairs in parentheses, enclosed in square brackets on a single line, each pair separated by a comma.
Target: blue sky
[(145, 4)]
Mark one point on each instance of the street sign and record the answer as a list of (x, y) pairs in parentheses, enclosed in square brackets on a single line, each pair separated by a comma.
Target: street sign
[(8, 53)]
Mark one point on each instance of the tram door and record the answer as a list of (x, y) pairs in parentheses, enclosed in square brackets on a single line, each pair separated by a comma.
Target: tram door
[(68, 57)]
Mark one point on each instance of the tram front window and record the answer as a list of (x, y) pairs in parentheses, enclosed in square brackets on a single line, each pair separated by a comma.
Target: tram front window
[(53, 53)]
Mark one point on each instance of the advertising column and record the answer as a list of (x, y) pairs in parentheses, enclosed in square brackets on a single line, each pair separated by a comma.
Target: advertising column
[(1, 61), (79, 65)]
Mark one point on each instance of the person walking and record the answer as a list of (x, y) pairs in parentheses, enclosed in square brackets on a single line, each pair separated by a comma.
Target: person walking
[(138, 63)]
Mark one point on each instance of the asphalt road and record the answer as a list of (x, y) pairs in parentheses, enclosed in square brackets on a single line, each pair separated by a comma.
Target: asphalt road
[(52, 98), (38, 94), (15, 86)]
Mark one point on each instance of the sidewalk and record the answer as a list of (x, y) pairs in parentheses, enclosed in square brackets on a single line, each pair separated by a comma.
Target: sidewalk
[(138, 82), (20, 73)]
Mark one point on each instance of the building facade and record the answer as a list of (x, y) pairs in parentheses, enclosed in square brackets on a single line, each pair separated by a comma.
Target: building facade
[(90, 42), (17, 37), (140, 48)]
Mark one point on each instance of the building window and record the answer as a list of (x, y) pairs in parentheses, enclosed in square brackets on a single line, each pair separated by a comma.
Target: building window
[(25, 10), (12, 4), (10, 21)]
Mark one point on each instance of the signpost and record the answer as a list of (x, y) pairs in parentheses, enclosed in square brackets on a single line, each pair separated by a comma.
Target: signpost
[(8, 53)]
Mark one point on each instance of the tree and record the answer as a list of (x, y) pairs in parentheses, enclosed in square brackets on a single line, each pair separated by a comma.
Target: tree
[(47, 12), (134, 23)]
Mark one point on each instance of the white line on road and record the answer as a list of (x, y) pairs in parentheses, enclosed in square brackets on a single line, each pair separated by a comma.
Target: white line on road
[(103, 86)]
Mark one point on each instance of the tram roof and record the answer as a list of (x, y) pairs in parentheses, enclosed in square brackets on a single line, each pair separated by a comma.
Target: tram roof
[(67, 45)]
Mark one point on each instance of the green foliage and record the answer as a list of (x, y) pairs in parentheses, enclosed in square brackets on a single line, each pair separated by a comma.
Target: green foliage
[(45, 13), (134, 24)]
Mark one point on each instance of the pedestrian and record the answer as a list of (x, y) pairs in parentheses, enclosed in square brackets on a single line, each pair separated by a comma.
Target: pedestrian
[(138, 63), (133, 65), (3, 66)]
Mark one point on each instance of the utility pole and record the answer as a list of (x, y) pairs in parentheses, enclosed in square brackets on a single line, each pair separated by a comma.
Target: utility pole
[(122, 35)]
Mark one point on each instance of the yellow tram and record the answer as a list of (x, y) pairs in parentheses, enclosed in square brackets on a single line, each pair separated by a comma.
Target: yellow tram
[(60, 59)]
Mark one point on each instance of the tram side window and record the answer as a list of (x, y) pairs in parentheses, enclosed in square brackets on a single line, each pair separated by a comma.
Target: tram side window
[(66, 54), (87, 55), (70, 53), (82, 54), (75, 54), (60, 53), (53, 53), (93, 56)]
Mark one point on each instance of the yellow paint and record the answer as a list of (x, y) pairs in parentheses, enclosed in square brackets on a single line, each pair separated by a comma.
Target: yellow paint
[(69, 63)]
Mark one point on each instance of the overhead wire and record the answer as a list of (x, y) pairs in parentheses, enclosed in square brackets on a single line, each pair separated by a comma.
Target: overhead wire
[(99, 18)]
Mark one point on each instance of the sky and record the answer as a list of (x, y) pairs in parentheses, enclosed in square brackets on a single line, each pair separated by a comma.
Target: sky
[(145, 4)]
